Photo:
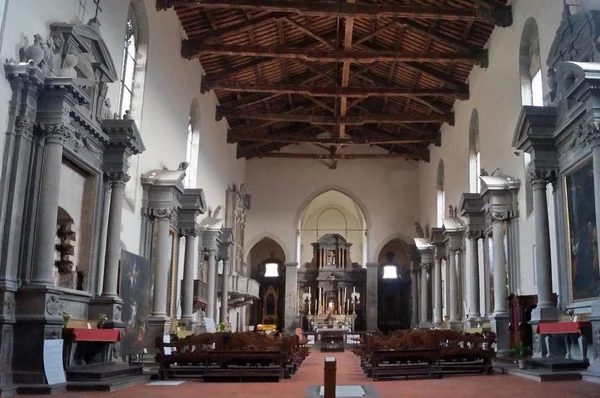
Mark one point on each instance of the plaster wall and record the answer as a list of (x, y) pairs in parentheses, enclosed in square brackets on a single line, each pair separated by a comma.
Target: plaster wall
[(171, 84), (496, 94), (386, 191)]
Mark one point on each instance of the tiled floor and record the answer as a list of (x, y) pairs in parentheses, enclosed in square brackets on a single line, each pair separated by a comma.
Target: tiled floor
[(349, 373)]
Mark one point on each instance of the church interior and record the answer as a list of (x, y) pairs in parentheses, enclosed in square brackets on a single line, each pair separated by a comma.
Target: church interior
[(200, 194)]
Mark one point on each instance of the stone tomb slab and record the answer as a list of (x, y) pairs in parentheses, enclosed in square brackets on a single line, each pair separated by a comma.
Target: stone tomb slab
[(166, 383), (346, 391)]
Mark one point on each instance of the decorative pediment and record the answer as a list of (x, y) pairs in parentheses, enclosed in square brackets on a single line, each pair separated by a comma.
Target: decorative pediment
[(576, 39), (472, 209), (193, 200), (535, 128)]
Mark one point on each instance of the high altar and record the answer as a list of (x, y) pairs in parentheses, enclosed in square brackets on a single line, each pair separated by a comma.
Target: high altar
[(330, 288)]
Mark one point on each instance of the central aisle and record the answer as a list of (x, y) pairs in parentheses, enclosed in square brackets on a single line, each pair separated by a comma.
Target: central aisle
[(350, 373)]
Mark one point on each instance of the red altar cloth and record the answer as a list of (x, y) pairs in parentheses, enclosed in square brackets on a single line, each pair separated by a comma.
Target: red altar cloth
[(562, 327), (82, 334)]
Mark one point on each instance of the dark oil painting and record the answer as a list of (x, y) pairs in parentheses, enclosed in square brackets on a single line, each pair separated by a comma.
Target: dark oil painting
[(135, 292), (583, 239)]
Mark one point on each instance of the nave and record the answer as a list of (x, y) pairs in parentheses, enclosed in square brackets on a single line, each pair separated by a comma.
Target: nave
[(350, 373)]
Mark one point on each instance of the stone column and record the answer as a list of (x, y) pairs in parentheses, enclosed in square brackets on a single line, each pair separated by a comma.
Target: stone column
[(500, 319), (224, 313), (209, 241), (371, 307), (163, 262), (291, 296), (424, 294), (187, 296), (545, 310), (117, 182), (453, 287), (47, 211), (438, 314), (473, 274), (414, 289)]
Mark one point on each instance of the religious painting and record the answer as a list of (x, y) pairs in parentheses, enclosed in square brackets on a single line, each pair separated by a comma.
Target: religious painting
[(134, 290), (582, 234), (173, 273), (270, 306)]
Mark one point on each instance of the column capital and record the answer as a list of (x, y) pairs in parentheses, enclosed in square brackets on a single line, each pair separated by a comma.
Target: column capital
[(415, 269), (500, 216), (58, 133), (117, 178), (372, 265), (474, 234), (426, 266), (291, 265), (209, 240), (188, 232), (540, 177), (161, 214)]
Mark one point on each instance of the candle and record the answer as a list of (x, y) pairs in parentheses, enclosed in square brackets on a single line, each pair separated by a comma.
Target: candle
[(309, 290), (353, 289)]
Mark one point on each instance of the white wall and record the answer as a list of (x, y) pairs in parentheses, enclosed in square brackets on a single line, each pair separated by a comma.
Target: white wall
[(496, 94), (386, 191), (171, 83)]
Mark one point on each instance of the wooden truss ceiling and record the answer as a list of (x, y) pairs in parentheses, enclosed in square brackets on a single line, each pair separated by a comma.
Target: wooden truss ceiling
[(334, 74)]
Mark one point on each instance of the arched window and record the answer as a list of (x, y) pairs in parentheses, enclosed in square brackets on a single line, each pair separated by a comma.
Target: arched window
[(193, 147), (271, 270), (129, 63), (474, 154), (441, 195), (532, 89), (530, 65), (390, 272)]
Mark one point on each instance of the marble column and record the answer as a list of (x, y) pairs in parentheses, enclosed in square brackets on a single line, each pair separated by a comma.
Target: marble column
[(291, 296), (500, 318), (47, 211), (224, 313), (424, 294), (414, 289), (117, 182), (499, 264), (371, 305), (453, 287), (187, 296), (473, 274), (163, 262), (438, 314), (209, 241), (545, 310)]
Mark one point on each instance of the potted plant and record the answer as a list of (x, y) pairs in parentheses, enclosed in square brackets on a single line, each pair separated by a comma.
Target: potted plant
[(521, 353), (101, 319)]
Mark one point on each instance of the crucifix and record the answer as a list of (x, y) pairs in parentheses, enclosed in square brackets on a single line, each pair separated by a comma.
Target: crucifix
[(330, 257), (98, 9)]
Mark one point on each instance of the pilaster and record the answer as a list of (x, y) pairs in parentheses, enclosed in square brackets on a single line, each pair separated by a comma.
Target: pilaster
[(291, 296), (225, 240), (371, 303)]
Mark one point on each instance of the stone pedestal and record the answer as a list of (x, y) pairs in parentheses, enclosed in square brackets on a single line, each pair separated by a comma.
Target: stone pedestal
[(291, 296), (158, 326), (371, 299), (499, 325), (593, 372)]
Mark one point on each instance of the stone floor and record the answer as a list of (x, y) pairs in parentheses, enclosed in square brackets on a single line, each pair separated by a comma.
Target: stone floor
[(350, 373)]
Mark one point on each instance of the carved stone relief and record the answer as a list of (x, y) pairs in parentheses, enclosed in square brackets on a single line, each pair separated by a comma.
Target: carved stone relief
[(537, 344), (53, 305)]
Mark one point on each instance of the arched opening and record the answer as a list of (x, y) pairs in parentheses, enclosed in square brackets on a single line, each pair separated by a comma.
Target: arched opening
[(532, 88), (441, 195), (193, 146), (330, 213), (267, 260), (393, 292), (474, 154)]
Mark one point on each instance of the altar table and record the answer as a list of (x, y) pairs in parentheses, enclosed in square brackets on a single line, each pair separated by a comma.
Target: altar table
[(95, 344), (568, 329)]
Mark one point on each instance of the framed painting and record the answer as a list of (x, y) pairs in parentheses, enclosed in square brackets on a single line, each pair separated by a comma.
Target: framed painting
[(134, 289), (581, 233)]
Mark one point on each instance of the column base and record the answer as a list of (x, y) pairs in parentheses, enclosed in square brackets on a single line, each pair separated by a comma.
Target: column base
[(7, 390), (455, 325), (158, 326), (426, 325), (499, 323), (474, 322), (544, 315)]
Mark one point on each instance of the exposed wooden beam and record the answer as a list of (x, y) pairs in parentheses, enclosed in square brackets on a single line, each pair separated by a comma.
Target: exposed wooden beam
[(339, 156), (293, 139), (348, 31), (309, 32), (237, 27), (500, 15), (334, 121), (192, 48), (320, 91)]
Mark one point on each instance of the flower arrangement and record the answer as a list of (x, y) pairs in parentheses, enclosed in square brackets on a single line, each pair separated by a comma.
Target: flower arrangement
[(101, 319), (66, 316), (223, 328)]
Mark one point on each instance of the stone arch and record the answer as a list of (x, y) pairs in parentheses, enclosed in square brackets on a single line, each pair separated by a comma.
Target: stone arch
[(396, 236), (266, 250), (266, 235), (334, 209)]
